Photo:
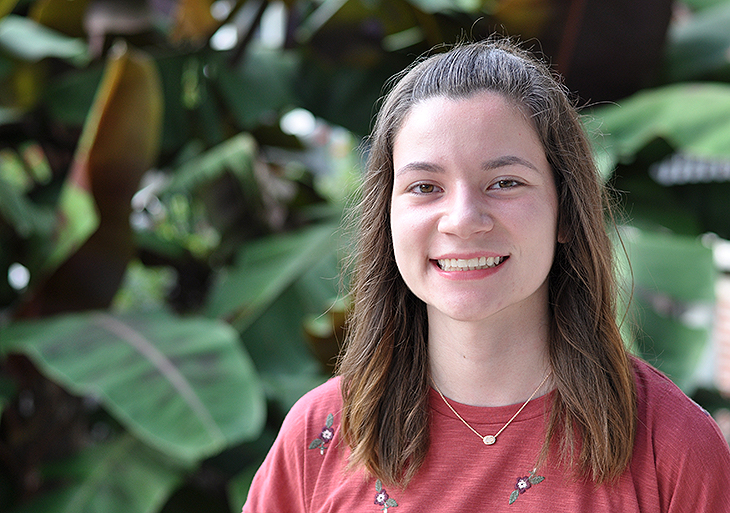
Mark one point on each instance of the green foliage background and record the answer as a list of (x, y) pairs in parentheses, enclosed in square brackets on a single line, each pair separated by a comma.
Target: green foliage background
[(170, 256)]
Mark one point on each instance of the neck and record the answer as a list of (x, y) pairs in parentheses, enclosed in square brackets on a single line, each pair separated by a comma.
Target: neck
[(489, 363)]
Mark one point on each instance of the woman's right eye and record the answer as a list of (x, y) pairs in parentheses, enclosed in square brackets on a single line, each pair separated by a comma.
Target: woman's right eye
[(424, 188)]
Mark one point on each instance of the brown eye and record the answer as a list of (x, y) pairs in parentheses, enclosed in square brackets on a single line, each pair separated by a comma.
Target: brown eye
[(506, 184), (425, 188)]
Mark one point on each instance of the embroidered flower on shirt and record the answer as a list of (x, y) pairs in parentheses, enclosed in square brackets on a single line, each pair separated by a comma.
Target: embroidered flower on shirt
[(382, 498), (325, 436), (523, 484)]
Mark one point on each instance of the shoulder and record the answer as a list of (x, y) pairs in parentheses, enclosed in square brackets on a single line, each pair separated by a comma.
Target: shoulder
[(313, 411), (324, 398), (287, 477), (659, 399), (678, 432)]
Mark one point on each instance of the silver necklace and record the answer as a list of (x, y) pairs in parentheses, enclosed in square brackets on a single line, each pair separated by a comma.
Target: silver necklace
[(491, 439)]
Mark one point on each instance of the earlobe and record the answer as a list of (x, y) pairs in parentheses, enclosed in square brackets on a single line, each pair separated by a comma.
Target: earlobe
[(562, 237)]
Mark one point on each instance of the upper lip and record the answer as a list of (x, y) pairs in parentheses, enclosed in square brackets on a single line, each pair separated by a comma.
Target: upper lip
[(467, 256)]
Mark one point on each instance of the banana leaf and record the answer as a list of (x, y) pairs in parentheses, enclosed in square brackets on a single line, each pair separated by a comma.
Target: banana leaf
[(672, 278), (183, 386), (264, 269)]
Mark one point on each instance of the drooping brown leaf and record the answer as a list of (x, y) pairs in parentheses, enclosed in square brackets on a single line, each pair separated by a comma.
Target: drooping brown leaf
[(119, 143)]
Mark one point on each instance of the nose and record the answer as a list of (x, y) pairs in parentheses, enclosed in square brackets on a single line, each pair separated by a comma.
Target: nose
[(465, 214)]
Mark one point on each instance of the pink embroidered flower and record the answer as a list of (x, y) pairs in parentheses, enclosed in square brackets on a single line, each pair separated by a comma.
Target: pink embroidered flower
[(381, 497), (523, 484), (327, 434)]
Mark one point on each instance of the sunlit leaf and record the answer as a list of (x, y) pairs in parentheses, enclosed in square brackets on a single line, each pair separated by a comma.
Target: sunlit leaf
[(29, 41), (184, 386), (122, 476), (693, 118)]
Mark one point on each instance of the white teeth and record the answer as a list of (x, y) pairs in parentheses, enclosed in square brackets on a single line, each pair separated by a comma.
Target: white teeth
[(472, 264)]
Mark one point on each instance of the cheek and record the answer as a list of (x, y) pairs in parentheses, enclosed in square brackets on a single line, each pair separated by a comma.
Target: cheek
[(407, 238)]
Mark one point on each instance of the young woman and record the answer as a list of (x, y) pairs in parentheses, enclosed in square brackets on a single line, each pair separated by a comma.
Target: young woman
[(484, 369)]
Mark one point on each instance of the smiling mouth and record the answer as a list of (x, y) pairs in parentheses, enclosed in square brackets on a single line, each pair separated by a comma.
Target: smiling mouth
[(471, 264)]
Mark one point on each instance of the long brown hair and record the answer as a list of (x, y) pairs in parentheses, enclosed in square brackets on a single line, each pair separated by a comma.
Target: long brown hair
[(384, 369)]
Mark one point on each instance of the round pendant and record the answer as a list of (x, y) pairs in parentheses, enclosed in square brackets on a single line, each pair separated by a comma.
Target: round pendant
[(489, 440)]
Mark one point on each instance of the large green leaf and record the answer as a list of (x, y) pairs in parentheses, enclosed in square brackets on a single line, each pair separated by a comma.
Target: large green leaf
[(693, 118), (185, 386), (27, 40), (122, 476), (237, 155), (673, 292), (264, 268)]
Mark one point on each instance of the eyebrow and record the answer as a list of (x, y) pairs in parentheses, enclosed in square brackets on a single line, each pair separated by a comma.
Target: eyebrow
[(496, 163)]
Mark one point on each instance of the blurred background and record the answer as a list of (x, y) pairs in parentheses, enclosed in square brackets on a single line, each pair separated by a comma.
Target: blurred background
[(173, 175)]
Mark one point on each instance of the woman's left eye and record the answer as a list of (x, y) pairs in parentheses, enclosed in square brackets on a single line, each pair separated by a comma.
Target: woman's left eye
[(504, 184)]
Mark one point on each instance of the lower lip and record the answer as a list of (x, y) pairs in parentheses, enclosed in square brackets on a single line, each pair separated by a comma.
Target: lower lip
[(476, 274)]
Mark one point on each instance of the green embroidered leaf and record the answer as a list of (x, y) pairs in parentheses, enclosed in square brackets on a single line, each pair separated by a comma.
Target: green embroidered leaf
[(378, 486), (513, 496), (316, 443), (536, 479), (330, 420), (391, 503)]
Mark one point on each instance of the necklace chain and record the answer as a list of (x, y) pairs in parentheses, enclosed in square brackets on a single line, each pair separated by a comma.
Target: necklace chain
[(491, 439)]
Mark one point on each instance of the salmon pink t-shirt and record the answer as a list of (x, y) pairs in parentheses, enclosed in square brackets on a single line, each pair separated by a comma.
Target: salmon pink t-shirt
[(681, 462)]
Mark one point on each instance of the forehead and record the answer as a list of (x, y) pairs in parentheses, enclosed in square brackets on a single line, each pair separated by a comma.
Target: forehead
[(486, 124)]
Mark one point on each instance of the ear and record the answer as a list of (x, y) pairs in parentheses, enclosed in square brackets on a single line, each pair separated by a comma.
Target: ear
[(562, 233)]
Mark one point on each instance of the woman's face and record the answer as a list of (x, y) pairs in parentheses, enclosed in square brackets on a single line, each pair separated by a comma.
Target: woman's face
[(474, 209)]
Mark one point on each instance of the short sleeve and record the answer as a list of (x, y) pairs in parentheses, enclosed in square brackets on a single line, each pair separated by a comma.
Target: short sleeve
[(283, 483), (692, 457), (277, 485)]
